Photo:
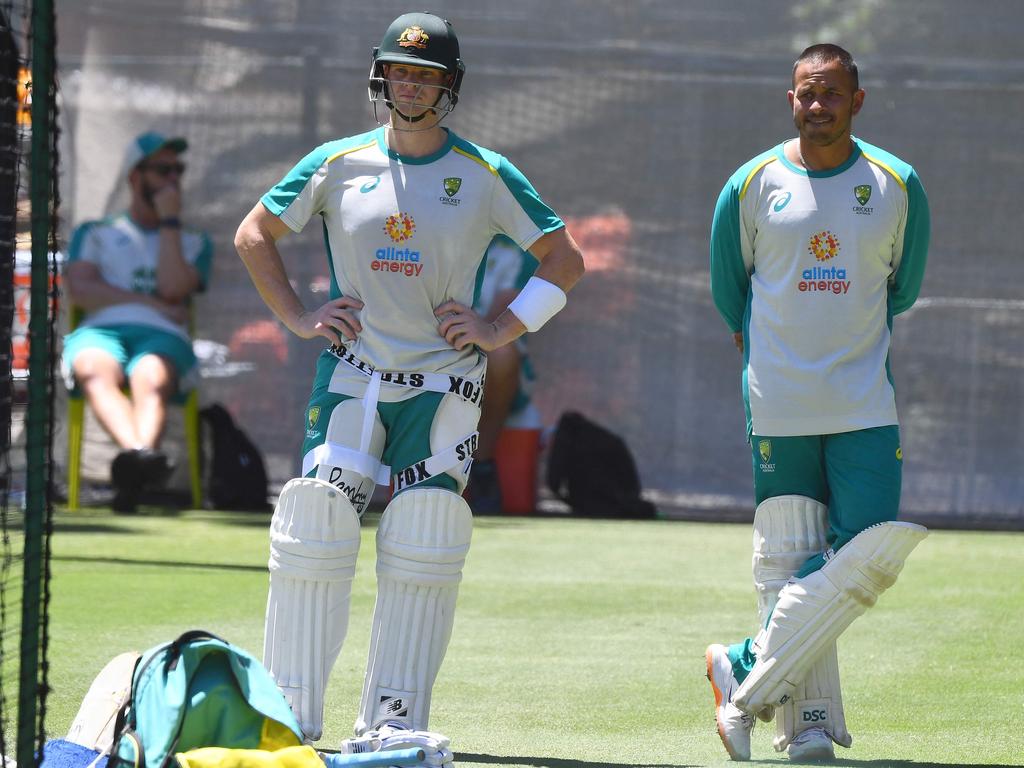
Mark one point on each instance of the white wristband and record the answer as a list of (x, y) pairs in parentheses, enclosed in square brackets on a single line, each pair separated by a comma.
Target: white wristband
[(537, 303)]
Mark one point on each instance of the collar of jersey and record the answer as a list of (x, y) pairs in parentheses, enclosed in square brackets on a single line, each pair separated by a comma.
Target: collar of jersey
[(405, 160), (127, 216), (853, 158)]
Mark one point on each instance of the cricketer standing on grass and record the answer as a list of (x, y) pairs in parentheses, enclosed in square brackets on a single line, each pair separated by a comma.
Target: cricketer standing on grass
[(815, 245), (407, 210)]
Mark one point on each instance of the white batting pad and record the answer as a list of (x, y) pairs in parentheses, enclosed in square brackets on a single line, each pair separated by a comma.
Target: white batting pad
[(813, 611), (93, 726), (314, 542), (787, 531), (422, 542)]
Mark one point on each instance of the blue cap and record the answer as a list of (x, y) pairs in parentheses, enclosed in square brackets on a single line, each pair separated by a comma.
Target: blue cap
[(146, 144)]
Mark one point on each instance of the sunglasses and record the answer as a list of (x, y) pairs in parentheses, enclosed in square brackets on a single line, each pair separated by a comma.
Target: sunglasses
[(165, 169)]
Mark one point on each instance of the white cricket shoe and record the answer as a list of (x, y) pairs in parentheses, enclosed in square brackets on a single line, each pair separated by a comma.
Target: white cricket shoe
[(811, 745), (734, 725)]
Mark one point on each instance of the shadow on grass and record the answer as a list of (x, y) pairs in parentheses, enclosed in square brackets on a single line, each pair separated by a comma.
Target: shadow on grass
[(558, 762), (885, 763), (64, 526), (160, 563)]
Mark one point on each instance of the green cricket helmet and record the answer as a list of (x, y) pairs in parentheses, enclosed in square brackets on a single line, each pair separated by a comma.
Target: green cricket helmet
[(419, 40)]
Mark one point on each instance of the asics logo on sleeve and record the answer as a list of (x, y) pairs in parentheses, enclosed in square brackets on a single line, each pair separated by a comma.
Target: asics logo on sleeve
[(782, 201)]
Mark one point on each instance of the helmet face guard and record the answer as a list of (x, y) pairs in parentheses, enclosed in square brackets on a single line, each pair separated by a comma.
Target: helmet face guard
[(417, 40)]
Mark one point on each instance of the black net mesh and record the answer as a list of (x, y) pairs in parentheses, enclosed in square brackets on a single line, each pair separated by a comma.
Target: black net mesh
[(628, 117)]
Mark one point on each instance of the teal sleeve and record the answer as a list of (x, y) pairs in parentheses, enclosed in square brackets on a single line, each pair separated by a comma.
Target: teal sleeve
[(524, 193), (289, 199), (730, 282), (203, 262), (76, 249), (906, 283)]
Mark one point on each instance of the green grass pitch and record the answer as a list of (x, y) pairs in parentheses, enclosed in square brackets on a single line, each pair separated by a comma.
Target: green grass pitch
[(578, 643)]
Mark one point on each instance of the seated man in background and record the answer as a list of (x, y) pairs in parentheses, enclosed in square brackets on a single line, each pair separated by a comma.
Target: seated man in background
[(509, 373), (133, 275)]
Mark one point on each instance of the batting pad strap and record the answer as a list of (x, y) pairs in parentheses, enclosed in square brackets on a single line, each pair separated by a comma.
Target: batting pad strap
[(459, 453), (337, 455), (814, 611), (468, 389), (537, 303)]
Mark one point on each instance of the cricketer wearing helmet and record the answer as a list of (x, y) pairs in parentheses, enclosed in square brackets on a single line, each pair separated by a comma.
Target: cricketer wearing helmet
[(815, 245), (408, 211)]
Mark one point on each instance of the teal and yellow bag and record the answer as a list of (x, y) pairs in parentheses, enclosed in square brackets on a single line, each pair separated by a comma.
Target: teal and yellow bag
[(200, 691)]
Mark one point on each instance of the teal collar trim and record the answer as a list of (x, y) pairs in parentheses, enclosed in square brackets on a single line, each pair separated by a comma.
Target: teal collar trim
[(405, 160), (853, 158)]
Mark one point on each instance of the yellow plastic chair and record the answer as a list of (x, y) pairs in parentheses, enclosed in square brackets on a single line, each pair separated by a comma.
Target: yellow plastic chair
[(76, 429)]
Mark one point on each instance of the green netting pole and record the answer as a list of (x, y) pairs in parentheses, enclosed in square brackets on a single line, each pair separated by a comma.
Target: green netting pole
[(37, 426)]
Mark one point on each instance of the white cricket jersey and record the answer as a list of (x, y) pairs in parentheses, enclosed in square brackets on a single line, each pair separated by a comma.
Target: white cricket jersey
[(812, 266), (406, 234), (127, 256)]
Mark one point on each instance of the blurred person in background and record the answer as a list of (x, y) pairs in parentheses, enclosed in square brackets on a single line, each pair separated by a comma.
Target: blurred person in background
[(132, 276), (510, 376)]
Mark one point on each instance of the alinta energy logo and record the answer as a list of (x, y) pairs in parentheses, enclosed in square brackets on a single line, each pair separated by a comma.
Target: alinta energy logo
[(824, 246), (400, 227)]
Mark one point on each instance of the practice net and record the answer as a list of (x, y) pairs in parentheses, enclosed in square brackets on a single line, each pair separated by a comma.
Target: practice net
[(628, 118), (28, 227)]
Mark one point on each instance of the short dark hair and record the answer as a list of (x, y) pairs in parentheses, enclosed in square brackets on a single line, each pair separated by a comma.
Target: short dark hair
[(826, 53)]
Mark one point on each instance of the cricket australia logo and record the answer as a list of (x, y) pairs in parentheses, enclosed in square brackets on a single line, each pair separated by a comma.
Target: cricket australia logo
[(400, 227), (452, 184), (413, 37), (823, 246), (312, 417), (863, 193), (764, 447)]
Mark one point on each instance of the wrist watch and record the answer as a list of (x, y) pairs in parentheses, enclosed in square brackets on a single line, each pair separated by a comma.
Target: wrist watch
[(171, 222)]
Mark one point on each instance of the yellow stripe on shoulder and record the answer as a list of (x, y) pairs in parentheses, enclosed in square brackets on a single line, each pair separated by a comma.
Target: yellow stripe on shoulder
[(350, 150), (886, 168), (753, 173), (476, 159)]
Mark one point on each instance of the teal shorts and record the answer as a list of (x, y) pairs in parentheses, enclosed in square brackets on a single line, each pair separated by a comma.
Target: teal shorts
[(130, 343), (407, 424), (857, 475)]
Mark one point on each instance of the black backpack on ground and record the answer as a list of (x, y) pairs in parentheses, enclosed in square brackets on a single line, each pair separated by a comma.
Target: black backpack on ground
[(237, 477), (593, 471)]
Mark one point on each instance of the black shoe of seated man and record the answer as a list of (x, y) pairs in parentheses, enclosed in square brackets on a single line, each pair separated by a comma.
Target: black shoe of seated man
[(155, 468), (484, 488), (126, 476)]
